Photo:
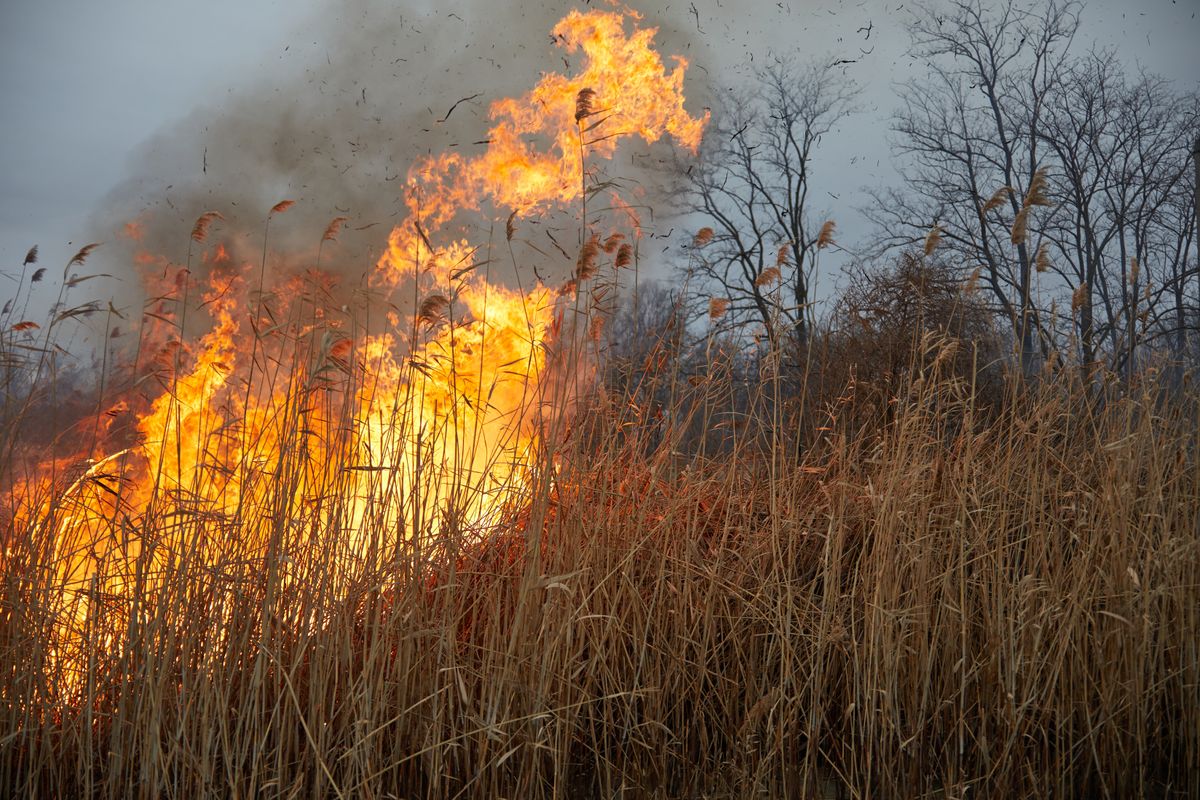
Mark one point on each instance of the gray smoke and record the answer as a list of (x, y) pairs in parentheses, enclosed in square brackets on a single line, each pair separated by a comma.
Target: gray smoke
[(372, 88)]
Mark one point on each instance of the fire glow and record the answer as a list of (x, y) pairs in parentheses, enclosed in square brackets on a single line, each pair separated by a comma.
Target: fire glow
[(284, 424)]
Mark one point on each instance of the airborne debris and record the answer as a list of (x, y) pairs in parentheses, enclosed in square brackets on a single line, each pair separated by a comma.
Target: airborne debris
[(456, 105)]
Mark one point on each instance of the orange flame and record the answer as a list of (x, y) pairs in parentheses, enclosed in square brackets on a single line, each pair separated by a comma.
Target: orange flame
[(632, 94), (245, 436)]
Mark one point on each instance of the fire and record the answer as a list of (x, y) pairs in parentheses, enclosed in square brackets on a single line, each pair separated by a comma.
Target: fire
[(629, 91), (458, 427), (283, 422)]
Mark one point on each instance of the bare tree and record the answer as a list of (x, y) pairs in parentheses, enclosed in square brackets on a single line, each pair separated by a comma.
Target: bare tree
[(1065, 183), (1122, 226), (752, 185), (970, 132)]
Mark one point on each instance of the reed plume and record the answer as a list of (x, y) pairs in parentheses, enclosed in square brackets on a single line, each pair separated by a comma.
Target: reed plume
[(583, 103), (585, 266), (972, 282), (1042, 261), (781, 255), (1019, 226), (825, 237), (433, 309), (1036, 196), (82, 255), (996, 200), (624, 256), (933, 239), (717, 307), (333, 229), (1079, 297), (200, 229), (767, 276)]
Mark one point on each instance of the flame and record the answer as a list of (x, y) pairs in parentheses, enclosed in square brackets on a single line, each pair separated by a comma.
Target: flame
[(134, 230), (459, 425), (284, 420), (632, 94)]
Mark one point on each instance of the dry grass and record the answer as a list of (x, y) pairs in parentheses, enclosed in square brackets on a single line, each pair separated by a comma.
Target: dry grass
[(941, 605)]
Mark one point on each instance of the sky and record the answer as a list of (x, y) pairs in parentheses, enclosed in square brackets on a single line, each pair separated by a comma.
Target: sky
[(132, 109), (84, 85)]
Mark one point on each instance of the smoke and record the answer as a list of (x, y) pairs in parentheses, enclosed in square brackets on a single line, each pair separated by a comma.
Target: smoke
[(369, 90)]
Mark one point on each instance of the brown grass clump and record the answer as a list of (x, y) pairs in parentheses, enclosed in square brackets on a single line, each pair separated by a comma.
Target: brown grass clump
[(951, 602), (896, 319)]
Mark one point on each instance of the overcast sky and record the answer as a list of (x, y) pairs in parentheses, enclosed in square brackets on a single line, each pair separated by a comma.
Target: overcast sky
[(110, 107)]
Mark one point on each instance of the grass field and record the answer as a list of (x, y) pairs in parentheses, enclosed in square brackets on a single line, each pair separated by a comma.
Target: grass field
[(305, 540), (947, 598)]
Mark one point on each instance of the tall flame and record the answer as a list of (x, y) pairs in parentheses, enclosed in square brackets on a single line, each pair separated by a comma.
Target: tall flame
[(437, 426), (632, 94)]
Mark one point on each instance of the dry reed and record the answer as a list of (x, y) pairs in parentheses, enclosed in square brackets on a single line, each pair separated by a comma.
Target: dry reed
[(960, 596)]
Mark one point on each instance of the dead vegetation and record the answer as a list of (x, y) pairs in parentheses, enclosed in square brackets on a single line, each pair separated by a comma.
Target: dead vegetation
[(945, 601)]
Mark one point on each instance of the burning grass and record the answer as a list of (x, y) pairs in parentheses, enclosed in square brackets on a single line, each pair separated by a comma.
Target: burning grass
[(1002, 602), (304, 556)]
